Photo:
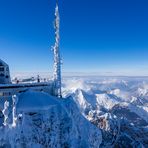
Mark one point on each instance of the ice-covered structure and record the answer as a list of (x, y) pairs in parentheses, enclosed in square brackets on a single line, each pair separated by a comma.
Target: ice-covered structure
[(4, 73), (52, 87), (57, 57)]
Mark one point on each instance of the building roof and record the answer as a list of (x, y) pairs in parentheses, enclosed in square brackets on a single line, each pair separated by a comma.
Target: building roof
[(2, 63)]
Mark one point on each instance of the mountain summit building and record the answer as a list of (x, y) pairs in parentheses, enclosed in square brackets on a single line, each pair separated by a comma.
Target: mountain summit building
[(4, 73)]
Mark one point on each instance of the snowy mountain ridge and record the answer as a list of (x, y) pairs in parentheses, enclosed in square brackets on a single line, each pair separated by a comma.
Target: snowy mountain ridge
[(118, 106)]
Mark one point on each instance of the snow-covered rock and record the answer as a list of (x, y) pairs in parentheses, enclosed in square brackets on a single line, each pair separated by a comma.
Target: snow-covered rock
[(35, 101), (45, 121)]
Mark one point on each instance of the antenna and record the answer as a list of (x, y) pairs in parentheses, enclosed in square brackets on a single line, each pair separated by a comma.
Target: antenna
[(57, 56)]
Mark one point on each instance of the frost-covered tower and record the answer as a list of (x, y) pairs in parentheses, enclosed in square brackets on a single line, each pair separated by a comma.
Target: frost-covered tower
[(57, 57)]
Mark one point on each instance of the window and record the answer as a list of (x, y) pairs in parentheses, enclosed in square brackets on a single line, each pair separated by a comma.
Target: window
[(7, 77), (2, 75), (2, 69), (7, 69), (1, 94)]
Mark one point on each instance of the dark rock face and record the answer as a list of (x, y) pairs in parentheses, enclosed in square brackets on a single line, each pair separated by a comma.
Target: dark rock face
[(124, 112), (122, 128)]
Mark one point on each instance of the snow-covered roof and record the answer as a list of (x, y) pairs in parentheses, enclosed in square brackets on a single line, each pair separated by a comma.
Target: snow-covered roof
[(2, 63), (35, 101)]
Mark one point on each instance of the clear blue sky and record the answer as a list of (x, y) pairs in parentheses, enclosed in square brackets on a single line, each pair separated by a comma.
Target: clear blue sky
[(105, 36)]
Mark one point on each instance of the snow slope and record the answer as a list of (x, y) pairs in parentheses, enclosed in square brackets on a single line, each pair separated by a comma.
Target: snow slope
[(43, 121)]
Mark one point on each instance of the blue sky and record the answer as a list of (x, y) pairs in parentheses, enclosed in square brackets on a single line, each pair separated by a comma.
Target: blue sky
[(104, 36)]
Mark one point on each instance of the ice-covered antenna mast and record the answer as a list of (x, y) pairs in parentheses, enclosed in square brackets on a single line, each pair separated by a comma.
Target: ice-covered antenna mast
[(57, 57)]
